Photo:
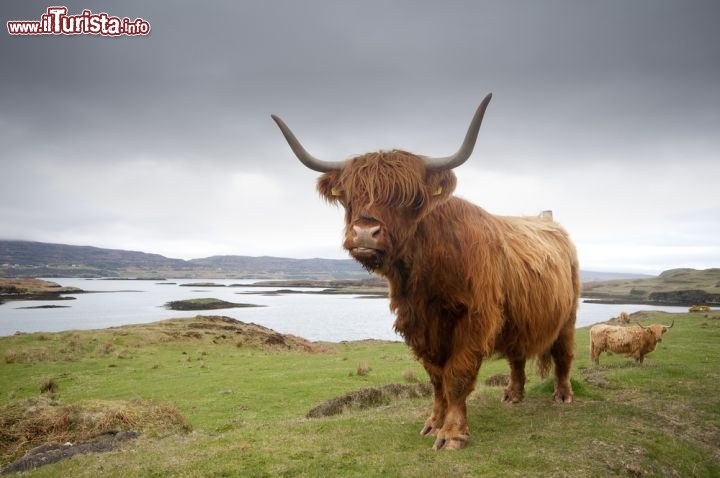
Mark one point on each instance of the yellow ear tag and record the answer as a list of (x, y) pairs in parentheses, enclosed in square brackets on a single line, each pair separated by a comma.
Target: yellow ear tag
[(334, 192), (438, 191)]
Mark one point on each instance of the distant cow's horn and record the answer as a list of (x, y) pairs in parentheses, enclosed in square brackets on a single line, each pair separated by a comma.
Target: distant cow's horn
[(306, 158), (468, 144)]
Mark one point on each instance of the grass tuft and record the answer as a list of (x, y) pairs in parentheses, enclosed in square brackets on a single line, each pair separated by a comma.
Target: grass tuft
[(363, 368), (49, 386), (410, 376)]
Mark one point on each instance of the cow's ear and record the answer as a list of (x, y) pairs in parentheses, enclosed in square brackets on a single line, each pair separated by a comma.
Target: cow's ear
[(328, 185), (440, 184)]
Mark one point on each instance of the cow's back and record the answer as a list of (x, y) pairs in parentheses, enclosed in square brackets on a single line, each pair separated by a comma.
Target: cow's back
[(523, 271)]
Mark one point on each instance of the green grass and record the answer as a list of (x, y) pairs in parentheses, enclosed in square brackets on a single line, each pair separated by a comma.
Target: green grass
[(246, 407)]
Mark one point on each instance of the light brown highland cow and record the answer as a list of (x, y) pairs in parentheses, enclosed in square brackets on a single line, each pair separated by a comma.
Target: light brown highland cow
[(636, 341)]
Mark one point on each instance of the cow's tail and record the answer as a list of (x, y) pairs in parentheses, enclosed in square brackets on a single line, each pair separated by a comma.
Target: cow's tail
[(544, 362)]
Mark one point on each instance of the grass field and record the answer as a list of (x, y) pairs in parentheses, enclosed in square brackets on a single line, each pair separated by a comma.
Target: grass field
[(213, 399)]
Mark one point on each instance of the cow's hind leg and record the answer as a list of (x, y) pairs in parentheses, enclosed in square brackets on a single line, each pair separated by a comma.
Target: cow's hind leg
[(515, 390), (563, 352)]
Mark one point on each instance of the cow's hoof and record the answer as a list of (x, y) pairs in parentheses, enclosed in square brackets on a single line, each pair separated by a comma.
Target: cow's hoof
[(508, 397), (451, 444), (563, 394), (563, 398), (428, 430)]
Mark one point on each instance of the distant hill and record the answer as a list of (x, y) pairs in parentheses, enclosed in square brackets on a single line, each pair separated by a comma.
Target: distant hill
[(672, 287), (282, 267), (592, 276), (39, 253), (40, 259)]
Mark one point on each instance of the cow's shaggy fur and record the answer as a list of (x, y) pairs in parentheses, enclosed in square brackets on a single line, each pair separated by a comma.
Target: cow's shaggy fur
[(464, 284)]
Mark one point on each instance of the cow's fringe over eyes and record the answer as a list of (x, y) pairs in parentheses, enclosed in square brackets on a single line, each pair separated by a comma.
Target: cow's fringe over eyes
[(394, 178)]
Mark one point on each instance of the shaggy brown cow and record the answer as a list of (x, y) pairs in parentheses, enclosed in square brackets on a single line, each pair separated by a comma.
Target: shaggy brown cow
[(464, 284), (636, 341)]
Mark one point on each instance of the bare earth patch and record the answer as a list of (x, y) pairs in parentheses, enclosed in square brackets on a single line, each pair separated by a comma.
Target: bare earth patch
[(53, 452)]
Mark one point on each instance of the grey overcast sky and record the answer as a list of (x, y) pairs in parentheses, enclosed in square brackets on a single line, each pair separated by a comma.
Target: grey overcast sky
[(606, 112)]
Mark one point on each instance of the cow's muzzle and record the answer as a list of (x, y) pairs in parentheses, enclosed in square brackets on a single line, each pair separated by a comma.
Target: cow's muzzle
[(364, 240)]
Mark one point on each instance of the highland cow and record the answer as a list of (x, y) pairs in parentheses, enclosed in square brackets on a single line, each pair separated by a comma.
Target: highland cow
[(636, 341), (464, 284)]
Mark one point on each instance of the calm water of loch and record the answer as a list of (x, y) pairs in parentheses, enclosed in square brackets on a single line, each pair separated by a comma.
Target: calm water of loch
[(331, 318)]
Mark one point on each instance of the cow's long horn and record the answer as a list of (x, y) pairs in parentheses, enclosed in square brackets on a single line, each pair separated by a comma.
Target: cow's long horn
[(671, 325), (306, 158), (468, 144)]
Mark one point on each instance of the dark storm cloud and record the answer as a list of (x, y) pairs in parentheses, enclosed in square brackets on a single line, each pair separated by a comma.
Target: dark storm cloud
[(204, 81), (621, 88)]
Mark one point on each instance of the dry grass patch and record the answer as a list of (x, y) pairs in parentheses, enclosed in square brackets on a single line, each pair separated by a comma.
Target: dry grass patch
[(29, 423)]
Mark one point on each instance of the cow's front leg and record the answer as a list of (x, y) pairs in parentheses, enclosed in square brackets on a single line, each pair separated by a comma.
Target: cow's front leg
[(437, 417), (459, 377)]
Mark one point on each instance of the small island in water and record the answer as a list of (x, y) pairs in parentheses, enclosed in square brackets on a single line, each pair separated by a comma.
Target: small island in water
[(34, 289), (205, 304)]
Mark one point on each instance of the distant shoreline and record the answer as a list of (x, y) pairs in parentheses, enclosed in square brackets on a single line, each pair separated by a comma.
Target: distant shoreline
[(627, 300), (42, 290)]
